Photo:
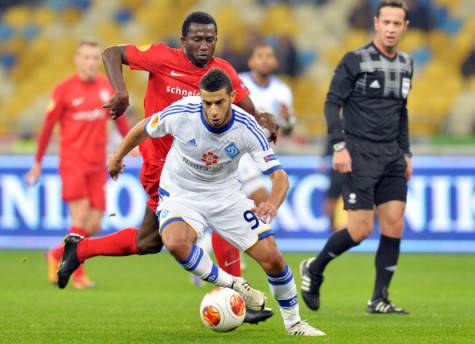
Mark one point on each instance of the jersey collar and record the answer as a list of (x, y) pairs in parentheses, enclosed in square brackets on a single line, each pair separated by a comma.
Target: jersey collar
[(262, 87), (384, 55), (217, 130)]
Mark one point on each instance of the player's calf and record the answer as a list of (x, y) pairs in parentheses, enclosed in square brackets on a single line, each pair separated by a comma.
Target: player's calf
[(148, 238)]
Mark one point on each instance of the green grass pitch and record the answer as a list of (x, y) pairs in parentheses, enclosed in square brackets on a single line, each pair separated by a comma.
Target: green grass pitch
[(150, 299)]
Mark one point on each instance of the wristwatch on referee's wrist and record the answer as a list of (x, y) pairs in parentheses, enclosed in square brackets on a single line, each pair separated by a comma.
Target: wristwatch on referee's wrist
[(338, 147)]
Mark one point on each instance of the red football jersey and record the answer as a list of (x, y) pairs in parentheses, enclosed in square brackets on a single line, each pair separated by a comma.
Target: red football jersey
[(172, 76), (76, 105)]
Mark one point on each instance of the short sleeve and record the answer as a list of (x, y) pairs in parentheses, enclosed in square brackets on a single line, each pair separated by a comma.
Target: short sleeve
[(148, 57), (259, 147), (160, 124)]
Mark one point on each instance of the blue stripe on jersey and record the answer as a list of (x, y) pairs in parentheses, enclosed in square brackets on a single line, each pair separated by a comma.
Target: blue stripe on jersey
[(247, 125), (163, 192), (174, 108), (272, 169), (253, 124), (178, 112)]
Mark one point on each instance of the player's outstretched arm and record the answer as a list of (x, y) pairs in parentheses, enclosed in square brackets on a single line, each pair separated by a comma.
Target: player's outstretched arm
[(280, 185), (135, 136), (114, 57)]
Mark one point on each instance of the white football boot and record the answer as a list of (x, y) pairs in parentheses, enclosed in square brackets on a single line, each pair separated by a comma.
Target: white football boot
[(302, 328)]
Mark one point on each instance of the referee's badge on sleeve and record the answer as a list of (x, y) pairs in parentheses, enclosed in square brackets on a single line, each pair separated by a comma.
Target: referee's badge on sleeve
[(406, 86)]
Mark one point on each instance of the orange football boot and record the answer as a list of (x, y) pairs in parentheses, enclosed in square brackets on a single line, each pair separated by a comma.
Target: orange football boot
[(53, 265)]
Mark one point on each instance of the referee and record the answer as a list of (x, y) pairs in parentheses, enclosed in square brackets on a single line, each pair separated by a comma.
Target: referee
[(371, 146)]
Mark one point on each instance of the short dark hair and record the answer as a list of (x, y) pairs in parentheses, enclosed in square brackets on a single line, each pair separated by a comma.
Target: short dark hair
[(197, 17), (215, 80), (393, 3), (89, 42), (260, 44)]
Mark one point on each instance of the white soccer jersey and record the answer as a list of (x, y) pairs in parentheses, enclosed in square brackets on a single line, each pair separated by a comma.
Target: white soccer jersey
[(270, 98), (202, 161)]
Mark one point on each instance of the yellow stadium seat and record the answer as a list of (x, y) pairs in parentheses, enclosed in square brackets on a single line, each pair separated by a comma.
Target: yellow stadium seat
[(438, 41), (412, 40), (17, 16), (356, 39), (71, 16), (279, 21), (43, 16)]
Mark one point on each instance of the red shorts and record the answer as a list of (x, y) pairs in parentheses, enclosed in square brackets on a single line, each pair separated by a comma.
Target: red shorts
[(150, 180), (154, 153), (84, 182)]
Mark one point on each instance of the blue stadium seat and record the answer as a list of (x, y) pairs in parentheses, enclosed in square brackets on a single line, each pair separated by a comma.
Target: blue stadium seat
[(6, 32), (30, 32), (8, 60), (123, 16)]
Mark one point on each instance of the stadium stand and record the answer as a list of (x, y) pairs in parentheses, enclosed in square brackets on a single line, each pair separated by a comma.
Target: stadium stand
[(37, 40)]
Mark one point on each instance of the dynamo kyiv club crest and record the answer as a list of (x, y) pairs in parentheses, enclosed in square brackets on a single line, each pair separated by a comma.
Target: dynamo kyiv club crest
[(232, 150)]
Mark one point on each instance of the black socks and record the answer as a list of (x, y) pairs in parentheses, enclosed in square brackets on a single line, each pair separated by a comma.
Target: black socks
[(338, 243), (385, 262)]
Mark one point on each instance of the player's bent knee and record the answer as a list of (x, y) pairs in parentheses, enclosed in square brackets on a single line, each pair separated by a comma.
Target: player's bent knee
[(178, 249), (359, 234)]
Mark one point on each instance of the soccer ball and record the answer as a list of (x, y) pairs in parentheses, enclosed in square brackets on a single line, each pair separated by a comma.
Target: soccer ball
[(222, 310)]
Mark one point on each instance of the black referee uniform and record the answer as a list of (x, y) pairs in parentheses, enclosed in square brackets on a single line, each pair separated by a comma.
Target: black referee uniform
[(372, 90)]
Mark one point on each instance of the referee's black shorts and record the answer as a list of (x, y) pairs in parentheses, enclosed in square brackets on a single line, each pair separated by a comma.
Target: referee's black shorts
[(377, 175), (336, 184)]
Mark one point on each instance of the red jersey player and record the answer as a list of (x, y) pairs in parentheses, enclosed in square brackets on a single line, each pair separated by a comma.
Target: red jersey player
[(76, 104), (173, 74)]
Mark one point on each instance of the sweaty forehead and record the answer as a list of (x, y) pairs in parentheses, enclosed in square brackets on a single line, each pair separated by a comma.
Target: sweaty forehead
[(197, 29)]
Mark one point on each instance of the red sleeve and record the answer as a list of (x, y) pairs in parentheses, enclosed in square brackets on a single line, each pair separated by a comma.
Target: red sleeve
[(147, 57), (53, 114), (238, 85), (123, 125)]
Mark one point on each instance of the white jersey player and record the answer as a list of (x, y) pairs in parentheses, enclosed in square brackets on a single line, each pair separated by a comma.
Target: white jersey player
[(198, 189), (269, 94)]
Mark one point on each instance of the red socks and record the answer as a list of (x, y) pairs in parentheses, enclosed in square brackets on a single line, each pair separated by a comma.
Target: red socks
[(228, 257), (121, 243), (57, 252)]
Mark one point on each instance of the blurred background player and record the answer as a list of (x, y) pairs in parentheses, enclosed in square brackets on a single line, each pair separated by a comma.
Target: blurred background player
[(371, 146), (173, 74), (76, 105), (269, 94)]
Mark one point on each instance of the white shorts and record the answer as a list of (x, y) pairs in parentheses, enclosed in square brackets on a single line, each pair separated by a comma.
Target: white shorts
[(232, 220), (249, 175)]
